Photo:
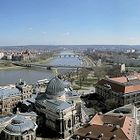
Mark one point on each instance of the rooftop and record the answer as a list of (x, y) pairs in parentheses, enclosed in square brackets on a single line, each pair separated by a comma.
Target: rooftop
[(56, 96), (122, 84), (56, 87), (108, 127), (127, 110), (55, 105), (8, 91), (19, 125)]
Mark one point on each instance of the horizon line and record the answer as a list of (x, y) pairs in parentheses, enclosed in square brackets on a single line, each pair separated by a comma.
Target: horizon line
[(70, 45)]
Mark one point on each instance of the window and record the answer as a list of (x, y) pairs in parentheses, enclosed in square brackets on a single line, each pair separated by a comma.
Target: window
[(6, 136), (65, 127), (73, 120), (69, 123), (32, 137), (28, 138), (17, 138)]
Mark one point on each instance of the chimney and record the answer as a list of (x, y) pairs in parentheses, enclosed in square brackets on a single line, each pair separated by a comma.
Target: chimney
[(117, 126), (121, 115), (100, 113), (89, 133), (101, 135), (113, 137)]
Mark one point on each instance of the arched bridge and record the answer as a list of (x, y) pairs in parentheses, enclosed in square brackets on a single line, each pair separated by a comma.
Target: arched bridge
[(50, 66), (67, 55)]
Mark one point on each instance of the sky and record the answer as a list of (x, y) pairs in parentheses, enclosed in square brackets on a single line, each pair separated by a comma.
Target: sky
[(67, 22)]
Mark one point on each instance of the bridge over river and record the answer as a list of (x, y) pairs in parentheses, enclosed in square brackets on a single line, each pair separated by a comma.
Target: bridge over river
[(70, 59), (51, 66), (68, 55)]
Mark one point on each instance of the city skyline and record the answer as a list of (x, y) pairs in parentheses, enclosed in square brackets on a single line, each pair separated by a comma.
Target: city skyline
[(67, 22)]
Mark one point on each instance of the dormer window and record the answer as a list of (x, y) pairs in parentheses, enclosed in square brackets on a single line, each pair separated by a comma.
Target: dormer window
[(109, 124), (107, 86)]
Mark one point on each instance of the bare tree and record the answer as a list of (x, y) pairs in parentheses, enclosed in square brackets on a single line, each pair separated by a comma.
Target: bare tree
[(100, 72)]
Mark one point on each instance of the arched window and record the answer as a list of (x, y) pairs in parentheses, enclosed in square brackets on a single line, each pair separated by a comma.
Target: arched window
[(69, 123), (16, 138)]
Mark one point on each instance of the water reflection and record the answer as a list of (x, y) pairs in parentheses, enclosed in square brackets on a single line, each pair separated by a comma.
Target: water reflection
[(33, 75), (29, 75)]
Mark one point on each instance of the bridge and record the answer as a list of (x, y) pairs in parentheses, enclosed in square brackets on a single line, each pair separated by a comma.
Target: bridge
[(49, 67), (67, 55)]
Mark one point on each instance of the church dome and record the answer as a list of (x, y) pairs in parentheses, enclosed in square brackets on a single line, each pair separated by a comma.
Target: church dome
[(56, 87)]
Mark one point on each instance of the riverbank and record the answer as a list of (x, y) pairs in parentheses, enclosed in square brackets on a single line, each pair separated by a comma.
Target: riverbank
[(10, 67), (45, 61)]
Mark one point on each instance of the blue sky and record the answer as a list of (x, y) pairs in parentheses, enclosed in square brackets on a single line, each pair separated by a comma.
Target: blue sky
[(24, 22)]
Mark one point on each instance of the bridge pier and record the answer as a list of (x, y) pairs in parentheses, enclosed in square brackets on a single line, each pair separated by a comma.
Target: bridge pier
[(27, 65), (77, 71), (49, 68)]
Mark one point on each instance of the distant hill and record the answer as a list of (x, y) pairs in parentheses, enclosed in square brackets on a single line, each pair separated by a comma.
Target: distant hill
[(99, 47)]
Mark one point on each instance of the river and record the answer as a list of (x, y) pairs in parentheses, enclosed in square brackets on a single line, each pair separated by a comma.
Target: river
[(33, 75)]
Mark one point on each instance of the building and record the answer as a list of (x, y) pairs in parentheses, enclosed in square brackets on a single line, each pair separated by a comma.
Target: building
[(1, 55), (123, 69), (57, 109), (11, 95), (22, 56), (8, 56), (25, 89), (17, 127), (41, 85), (107, 127), (124, 90)]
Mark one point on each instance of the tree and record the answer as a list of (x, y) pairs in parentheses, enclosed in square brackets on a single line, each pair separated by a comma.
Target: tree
[(114, 71), (84, 74), (111, 103), (7, 63), (100, 72)]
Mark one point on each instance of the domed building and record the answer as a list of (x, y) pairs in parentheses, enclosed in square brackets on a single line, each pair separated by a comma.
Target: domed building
[(55, 89), (20, 128), (56, 108)]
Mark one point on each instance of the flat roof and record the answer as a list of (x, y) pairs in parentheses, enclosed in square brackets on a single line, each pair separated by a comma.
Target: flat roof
[(8, 91)]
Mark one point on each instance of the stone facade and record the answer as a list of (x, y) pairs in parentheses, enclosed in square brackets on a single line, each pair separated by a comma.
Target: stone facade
[(41, 85), (122, 89), (58, 113), (18, 127), (11, 95), (26, 90)]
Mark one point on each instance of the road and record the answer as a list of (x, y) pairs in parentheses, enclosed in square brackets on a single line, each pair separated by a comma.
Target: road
[(88, 62)]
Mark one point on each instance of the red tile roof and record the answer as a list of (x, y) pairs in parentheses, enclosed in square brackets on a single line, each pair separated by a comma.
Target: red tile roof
[(119, 79), (116, 87), (122, 84), (107, 127)]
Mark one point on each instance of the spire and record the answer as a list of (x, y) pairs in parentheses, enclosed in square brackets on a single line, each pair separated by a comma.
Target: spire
[(56, 72), (18, 112), (20, 80)]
